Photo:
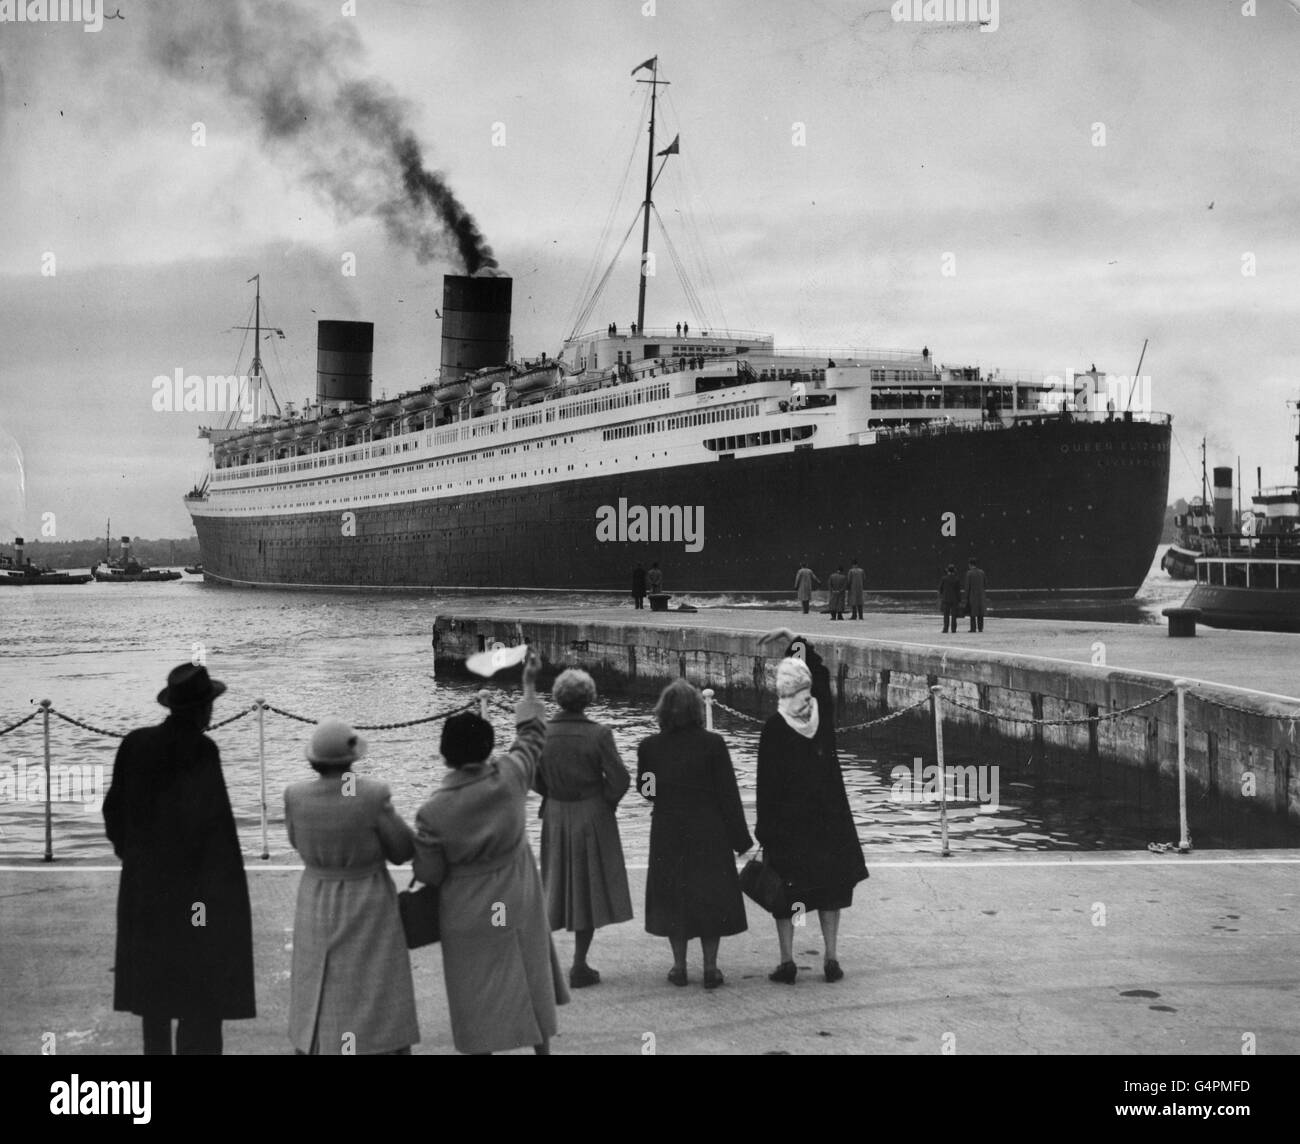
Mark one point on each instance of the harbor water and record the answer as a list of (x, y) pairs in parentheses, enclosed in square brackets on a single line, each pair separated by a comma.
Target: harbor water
[(101, 652)]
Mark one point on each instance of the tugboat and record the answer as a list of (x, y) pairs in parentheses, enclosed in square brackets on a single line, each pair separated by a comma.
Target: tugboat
[(126, 569), (1197, 535), (1253, 581), (194, 569), (16, 571)]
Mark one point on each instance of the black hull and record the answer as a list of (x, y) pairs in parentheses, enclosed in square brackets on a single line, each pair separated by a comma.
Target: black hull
[(1246, 609), (1053, 509)]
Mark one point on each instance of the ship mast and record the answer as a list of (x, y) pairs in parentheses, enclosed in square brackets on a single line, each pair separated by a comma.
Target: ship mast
[(654, 81)]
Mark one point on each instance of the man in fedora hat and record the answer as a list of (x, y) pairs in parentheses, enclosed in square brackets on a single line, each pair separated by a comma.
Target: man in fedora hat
[(184, 926), (950, 598)]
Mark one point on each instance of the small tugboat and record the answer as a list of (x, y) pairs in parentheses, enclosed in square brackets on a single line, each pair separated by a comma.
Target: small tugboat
[(194, 569), (1198, 534), (127, 570), (15, 571), (1252, 581)]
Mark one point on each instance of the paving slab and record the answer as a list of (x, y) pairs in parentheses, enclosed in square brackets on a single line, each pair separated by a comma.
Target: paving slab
[(1120, 953)]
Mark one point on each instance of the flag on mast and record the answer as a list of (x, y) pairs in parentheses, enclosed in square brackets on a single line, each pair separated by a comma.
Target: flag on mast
[(673, 148), (650, 63)]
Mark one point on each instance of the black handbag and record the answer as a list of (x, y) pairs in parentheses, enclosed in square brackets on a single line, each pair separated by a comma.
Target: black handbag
[(764, 886), (419, 910)]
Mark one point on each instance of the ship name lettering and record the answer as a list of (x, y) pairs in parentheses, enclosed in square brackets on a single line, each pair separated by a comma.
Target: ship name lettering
[(640, 524)]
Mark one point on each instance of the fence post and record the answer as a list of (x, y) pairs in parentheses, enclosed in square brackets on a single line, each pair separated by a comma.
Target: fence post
[(943, 777), (261, 764), (1184, 840), (483, 703), (49, 820), (708, 708)]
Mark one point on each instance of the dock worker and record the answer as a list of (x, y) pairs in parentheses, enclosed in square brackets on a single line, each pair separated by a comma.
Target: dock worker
[(805, 579)]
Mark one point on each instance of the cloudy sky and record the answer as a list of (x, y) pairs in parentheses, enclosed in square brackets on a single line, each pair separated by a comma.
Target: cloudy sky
[(1101, 171)]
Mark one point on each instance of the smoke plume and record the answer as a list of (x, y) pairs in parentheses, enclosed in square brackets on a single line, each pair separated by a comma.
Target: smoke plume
[(351, 136)]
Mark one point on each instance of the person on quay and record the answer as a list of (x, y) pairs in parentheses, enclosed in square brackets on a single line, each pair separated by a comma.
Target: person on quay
[(804, 822), (836, 584), (805, 580), (638, 586), (696, 827), (950, 597), (856, 589), (350, 987), (184, 925), (654, 579), (502, 974), (582, 780), (975, 593)]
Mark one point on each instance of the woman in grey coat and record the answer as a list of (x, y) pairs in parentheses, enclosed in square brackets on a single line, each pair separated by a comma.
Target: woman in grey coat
[(582, 780), (350, 990)]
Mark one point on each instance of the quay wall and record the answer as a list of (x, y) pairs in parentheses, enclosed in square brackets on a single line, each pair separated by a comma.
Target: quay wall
[(1240, 745)]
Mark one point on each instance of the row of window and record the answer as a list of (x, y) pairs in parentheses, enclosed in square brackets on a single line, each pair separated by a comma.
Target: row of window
[(755, 440), (663, 424)]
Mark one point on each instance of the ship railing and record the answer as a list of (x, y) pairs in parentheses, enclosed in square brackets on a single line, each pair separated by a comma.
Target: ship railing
[(669, 332), (940, 426), (843, 355)]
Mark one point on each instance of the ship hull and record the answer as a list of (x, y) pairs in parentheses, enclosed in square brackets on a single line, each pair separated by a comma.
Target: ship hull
[(1055, 508), (1246, 609)]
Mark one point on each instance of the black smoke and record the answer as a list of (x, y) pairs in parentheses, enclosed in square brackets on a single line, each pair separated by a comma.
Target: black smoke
[(295, 72)]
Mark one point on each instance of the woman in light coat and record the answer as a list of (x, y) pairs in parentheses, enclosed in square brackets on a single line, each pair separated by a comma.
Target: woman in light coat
[(350, 990), (582, 780), (502, 974)]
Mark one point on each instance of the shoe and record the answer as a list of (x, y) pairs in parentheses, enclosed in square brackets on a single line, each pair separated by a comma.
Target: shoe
[(784, 973), (582, 976), (832, 970), (712, 978), (677, 976)]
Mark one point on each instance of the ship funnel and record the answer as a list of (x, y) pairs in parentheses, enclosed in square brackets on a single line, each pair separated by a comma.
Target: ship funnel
[(18, 551), (343, 356), (1223, 499), (475, 323)]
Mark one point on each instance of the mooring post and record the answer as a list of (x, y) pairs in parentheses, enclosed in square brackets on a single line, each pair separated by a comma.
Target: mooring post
[(943, 777), (708, 708), (49, 814), (1184, 841), (483, 703), (261, 764)]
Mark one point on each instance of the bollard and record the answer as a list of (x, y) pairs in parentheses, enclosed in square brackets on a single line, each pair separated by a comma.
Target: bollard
[(49, 819), (708, 708), (1184, 840), (483, 703), (943, 777), (261, 765)]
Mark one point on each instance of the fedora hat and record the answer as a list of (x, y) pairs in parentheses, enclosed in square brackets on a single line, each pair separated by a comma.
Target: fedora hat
[(334, 743), (189, 686)]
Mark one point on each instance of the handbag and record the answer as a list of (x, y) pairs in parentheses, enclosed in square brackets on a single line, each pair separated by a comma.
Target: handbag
[(764, 886), (419, 911)]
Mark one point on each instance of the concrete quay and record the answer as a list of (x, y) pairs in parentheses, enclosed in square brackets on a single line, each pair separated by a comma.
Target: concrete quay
[(1130, 953), (1112, 680)]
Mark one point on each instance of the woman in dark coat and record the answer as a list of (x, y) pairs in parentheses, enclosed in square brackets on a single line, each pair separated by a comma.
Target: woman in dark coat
[(696, 827), (350, 990), (582, 780), (804, 823), (184, 927)]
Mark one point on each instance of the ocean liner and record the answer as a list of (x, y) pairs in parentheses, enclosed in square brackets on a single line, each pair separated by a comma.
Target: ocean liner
[(722, 457)]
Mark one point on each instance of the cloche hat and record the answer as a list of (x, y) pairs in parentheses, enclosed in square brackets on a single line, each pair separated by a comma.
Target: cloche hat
[(335, 743)]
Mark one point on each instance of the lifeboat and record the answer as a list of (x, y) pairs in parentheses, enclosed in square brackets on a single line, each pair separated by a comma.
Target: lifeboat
[(357, 416), (452, 391), (284, 433), (484, 381), (421, 399), (306, 428), (539, 377)]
